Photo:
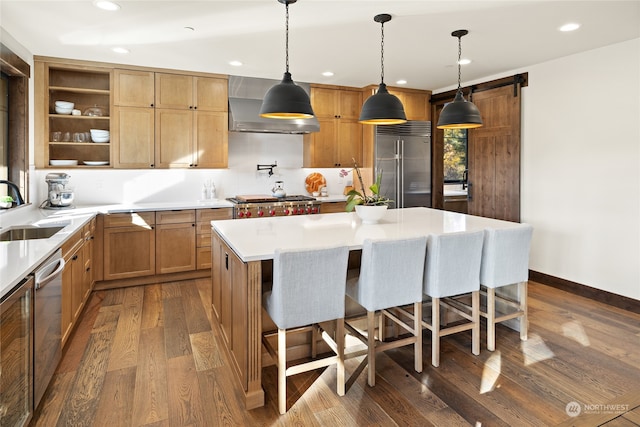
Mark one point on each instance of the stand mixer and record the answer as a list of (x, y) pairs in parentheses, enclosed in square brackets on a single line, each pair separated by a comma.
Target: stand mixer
[(58, 196)]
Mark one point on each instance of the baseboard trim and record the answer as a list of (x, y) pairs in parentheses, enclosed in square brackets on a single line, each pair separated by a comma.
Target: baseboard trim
[(147, 280), (599, 295)]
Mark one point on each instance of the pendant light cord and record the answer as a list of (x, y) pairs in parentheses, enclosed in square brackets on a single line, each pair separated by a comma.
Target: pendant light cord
[(382, 52), (286, 43), (459, 59)]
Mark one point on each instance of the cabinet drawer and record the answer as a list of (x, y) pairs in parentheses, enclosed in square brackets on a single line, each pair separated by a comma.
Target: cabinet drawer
[(175, 217), (71, 245), (129, 218), (214, 214), (203, 228)]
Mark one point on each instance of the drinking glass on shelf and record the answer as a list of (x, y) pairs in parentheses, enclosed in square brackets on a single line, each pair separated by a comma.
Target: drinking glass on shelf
[(78, 137), (66, 137), (87, 136), (56, 136)]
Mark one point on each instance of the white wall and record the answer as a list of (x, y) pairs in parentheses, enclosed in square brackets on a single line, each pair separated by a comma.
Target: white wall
[(581, 167)]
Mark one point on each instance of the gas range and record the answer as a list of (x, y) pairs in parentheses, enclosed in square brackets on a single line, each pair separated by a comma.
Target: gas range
[(256, 206)]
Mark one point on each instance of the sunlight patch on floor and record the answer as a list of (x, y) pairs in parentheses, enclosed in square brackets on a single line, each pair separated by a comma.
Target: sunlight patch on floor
[(535, 350), (491, 372), (575, 331)]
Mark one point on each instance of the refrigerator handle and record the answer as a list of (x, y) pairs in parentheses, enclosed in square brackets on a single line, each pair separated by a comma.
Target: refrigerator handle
[(400, 174)]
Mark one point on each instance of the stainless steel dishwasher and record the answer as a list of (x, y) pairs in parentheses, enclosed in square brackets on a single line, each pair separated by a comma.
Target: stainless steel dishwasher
[(47, 321)]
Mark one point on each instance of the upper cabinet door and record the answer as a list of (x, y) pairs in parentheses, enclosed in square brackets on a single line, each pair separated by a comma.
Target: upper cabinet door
[(133, 88), (350, 104), (210, 94), (174, 91)]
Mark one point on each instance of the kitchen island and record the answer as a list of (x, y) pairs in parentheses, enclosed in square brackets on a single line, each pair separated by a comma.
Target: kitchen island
[(242, 252)]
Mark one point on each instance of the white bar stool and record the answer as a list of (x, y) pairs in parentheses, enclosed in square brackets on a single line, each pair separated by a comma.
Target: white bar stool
[(390, 276), (308, 288), (505, 261), (452, 268)]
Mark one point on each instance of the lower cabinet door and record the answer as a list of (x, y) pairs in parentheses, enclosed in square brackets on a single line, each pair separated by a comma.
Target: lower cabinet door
[(129, 252), (175, 248)]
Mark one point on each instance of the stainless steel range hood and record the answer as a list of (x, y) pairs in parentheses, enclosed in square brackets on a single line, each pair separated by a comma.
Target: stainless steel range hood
[(245, 100)]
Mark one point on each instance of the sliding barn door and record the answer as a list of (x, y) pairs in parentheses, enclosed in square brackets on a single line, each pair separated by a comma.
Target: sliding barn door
[(494, 155)]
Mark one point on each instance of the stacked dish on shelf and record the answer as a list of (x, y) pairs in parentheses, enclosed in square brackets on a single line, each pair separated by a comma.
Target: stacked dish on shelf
[(99, 135), (64, 107)]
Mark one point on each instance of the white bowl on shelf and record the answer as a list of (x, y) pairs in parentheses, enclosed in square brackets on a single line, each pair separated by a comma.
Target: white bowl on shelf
[(99, 131), (65, 104), (95, 138), (60, 110), (63, 162)]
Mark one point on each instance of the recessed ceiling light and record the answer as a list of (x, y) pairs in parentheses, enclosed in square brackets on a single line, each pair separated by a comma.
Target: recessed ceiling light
[(106, 5), (235, 63), (464, 61), (572, 26), (120, 50), (401, 82), (327, 73)]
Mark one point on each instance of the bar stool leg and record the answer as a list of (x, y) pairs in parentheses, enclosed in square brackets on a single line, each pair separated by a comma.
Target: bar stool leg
[(417, 331), (475, 315), (340, 365), (491, 319), (524, 319), (282, 371), (371, 347), (435, 332)]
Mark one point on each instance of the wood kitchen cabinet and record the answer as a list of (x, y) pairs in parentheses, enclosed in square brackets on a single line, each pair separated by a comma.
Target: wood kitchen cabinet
[(230, 304), (203, 233), (339, 141), (72, 282), (191, 121), (84, 84), (175, 241), (134, 88), (129, 245)]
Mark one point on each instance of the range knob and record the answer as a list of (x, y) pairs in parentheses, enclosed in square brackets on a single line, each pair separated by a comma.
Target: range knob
[(240, 214), (286, 211), (248, 214), (260, 212), (272, 212), (307, 210), (314, 210)]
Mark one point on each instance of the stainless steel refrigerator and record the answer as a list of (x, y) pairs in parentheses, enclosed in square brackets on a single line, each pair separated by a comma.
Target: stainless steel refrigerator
[(403, 154)]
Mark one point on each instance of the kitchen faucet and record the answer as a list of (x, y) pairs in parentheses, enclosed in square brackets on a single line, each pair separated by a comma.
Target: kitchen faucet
[(18, 197)]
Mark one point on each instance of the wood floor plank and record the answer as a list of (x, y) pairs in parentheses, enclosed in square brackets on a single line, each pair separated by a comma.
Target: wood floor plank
[(150, 396), (206, 353), (195, 315), (82, 401), (115, 406), (186, 407), (124, 353), (54, 400), (175, 330), (152, 314)]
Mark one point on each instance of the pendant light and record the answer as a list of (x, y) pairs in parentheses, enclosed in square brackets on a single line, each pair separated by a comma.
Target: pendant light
[(459, 114), (382, 108), (286, 100)]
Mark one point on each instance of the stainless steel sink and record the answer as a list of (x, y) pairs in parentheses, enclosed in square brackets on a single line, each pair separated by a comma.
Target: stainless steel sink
[(28, 233)]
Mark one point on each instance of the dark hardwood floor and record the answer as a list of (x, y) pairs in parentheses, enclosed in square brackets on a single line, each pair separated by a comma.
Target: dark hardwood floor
[(147, 356)]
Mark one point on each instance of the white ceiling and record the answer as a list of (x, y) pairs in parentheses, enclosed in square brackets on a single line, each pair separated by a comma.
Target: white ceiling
[(339, 36)]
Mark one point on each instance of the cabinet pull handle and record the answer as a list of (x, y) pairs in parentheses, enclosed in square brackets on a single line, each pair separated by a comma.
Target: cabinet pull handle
[(469, 192), (152, 104), (75, 257), (226, 260)]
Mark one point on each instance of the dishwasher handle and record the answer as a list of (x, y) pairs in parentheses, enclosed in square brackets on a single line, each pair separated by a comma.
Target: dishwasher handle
[(40, 282)]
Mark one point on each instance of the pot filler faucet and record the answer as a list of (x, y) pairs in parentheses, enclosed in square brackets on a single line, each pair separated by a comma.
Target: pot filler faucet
[(16, 191)]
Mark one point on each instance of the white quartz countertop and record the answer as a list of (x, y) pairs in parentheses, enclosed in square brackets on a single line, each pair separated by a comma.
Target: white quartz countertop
[(20, 258), (257, 238)]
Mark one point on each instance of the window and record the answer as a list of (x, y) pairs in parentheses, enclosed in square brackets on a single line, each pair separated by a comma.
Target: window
[(455, 156)]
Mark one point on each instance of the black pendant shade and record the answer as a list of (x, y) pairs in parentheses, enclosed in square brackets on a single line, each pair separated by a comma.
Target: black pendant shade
[(460, 113), (286, 100), (382, 108)]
